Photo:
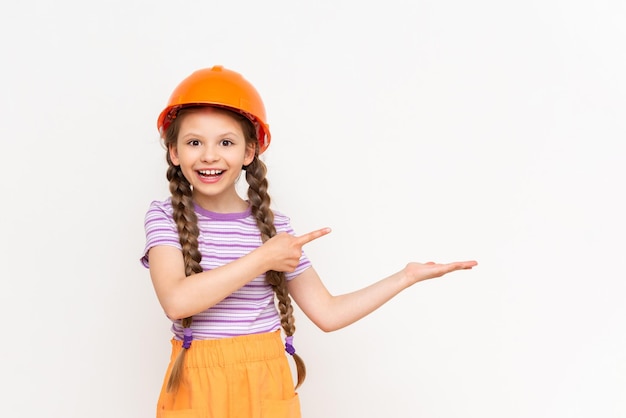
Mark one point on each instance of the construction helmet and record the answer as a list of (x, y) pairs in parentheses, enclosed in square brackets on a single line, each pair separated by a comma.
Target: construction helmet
[(218, 86)]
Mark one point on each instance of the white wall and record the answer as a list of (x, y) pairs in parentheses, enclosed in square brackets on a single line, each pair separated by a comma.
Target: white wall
[(434, 130)]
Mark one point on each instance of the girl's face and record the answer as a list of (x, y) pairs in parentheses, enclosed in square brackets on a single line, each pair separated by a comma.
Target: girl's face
[(211, 150)]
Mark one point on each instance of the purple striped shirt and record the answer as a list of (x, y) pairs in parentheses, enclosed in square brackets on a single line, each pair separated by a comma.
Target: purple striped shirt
[(224, 237)]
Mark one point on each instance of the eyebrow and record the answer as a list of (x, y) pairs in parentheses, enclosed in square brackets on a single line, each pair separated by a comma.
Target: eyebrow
[(225, 134)]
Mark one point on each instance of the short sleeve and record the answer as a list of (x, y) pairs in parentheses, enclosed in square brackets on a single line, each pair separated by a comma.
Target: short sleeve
[(160, 228)]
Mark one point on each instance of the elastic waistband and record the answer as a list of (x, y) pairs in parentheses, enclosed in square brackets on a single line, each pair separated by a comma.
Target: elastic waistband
[(226, 351)]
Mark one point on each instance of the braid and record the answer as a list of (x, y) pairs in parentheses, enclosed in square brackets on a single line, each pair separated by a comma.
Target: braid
[(187, 224), (186, 219), (260, 208)]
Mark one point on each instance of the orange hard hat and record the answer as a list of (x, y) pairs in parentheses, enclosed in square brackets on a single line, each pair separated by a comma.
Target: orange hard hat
[(218, 86)]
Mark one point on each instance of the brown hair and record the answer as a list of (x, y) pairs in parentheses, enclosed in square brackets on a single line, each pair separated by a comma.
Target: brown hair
[(187, 224)]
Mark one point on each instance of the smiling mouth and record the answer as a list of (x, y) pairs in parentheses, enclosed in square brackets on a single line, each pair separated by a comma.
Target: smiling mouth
[(210, 173)]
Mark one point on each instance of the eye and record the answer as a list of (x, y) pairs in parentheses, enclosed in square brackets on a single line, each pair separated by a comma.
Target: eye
[(226, 142), (193, 142)]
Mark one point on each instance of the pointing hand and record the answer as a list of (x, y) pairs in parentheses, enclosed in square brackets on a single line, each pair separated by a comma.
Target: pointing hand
[(285, 250)]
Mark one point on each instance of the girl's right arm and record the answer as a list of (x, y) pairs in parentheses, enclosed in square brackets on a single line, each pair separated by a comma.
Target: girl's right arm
[(181, 296)]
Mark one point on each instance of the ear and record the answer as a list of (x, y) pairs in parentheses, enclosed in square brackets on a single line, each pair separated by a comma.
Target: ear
[(250, 152), (174, 154)]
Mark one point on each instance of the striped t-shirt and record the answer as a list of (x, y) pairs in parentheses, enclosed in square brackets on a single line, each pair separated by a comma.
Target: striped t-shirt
[(224, 237)]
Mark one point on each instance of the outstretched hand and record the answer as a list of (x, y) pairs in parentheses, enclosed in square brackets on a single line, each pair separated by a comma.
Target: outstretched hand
[(285, 250), (417, 272)]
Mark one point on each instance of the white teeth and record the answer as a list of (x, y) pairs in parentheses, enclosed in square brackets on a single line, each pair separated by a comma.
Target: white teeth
[(210, 172)]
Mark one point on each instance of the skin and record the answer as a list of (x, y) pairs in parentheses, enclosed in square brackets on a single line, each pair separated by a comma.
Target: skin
[(209, 139)]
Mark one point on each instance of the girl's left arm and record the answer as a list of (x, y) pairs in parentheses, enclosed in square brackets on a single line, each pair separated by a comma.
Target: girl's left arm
[(331, 313)]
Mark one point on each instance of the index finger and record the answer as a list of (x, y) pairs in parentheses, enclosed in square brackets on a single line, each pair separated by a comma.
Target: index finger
[(306, 238)]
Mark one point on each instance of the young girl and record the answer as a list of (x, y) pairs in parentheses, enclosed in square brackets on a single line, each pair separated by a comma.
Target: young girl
[(217, 260)]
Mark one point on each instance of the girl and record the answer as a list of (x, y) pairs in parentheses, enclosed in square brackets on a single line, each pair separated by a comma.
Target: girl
[(217, 260)]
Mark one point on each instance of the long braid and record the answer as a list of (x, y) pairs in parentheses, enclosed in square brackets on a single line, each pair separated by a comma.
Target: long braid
[(188, 232), (260, 208)]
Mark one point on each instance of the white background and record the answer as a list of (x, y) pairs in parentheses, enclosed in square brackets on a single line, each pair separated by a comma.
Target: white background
[(417, 130)]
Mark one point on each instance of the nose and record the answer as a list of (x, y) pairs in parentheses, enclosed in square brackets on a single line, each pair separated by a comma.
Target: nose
[(210, 153)]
